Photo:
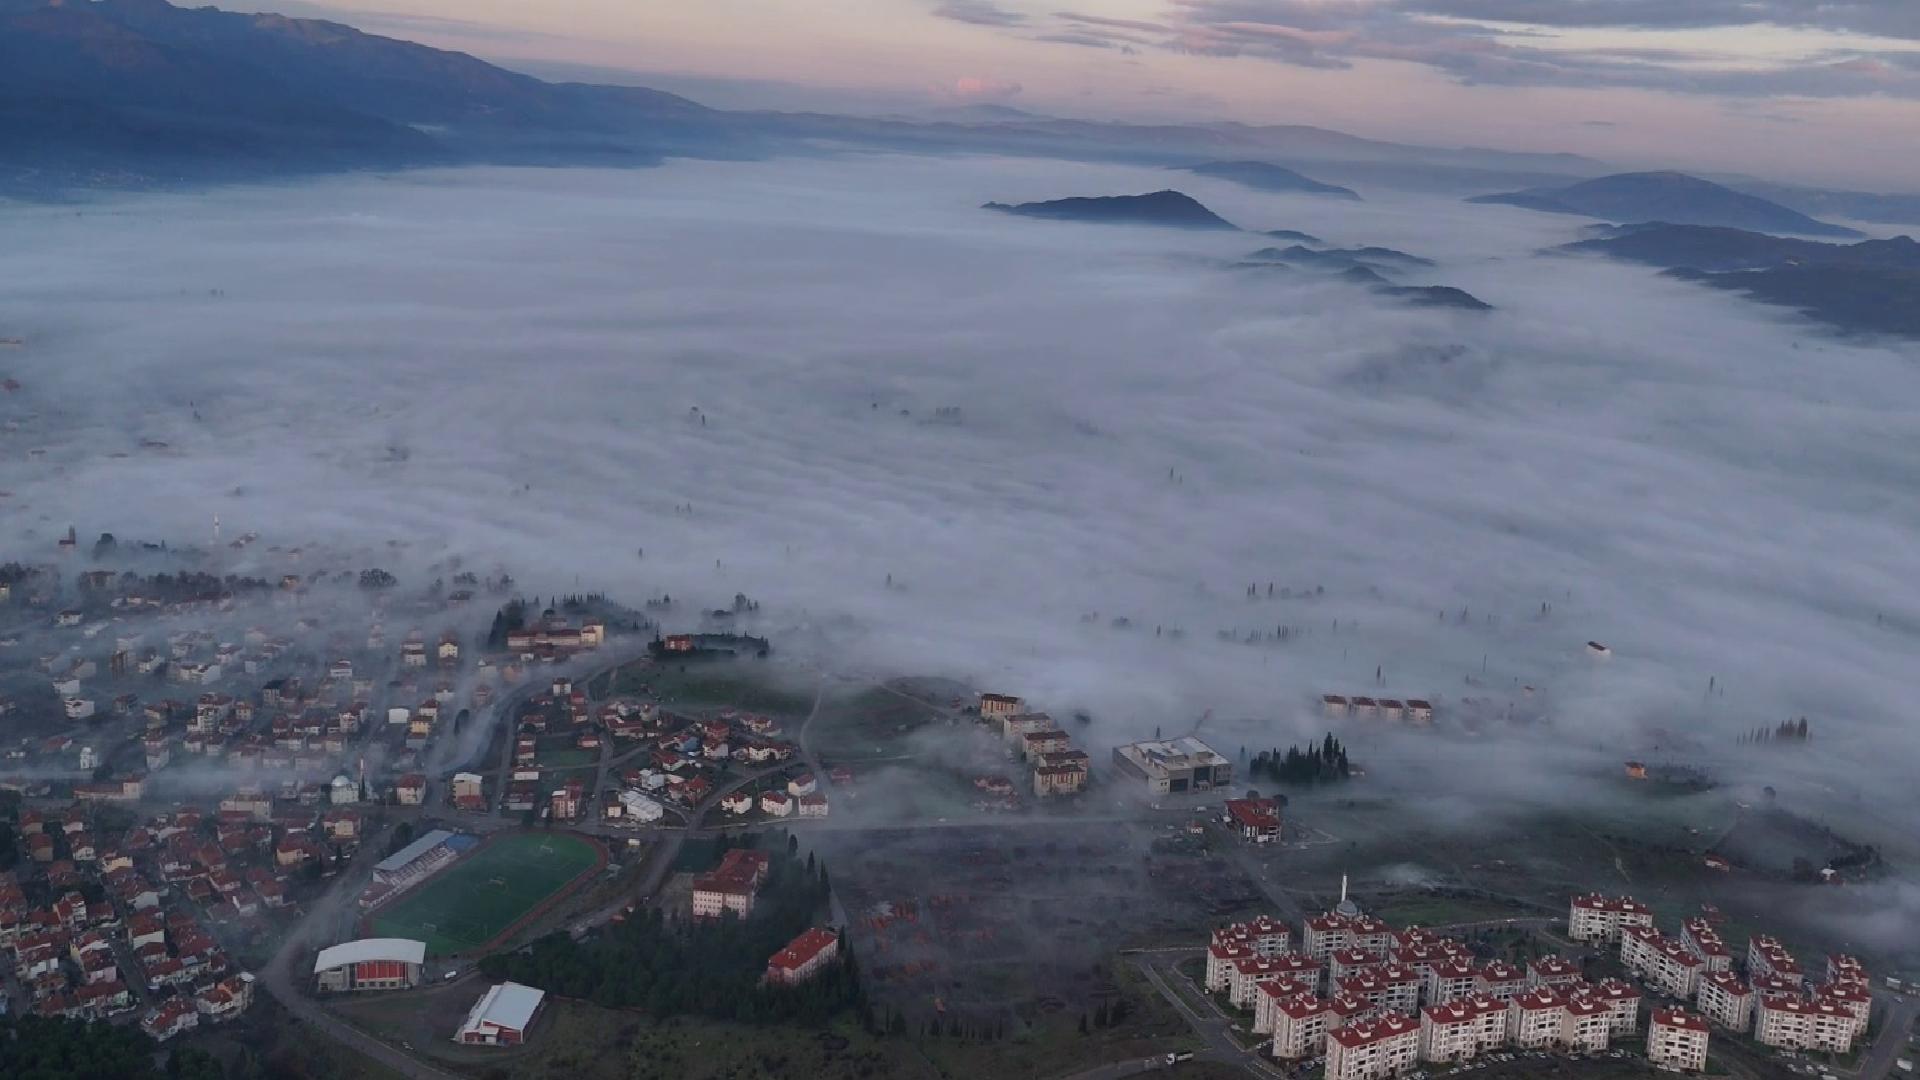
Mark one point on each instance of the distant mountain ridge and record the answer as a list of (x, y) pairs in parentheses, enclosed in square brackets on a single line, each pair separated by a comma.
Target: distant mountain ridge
[(1670, 197), (1265, 176), (1869, 287), (106, 86), (1167, 208)]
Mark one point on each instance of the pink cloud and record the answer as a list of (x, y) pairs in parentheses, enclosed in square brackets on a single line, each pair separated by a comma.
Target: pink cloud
[(971, 89)]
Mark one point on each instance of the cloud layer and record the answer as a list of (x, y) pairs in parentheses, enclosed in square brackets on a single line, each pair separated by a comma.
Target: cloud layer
[(1864, 48), (548, 369)]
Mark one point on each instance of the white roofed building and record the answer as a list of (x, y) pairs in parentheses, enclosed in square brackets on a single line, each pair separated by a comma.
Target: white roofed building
[(501, 1017), (370, 964)]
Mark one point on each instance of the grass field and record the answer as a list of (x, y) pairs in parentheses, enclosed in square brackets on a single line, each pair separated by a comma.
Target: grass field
[(752, 685), (479, 897)]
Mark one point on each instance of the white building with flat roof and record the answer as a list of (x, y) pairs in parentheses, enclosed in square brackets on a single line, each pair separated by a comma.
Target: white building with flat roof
[(1174, 766)]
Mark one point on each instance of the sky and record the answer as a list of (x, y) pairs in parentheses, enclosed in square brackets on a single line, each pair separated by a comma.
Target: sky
[(1828, 87)]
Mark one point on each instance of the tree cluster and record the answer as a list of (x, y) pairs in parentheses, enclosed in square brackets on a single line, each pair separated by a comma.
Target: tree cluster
[(711, 969), (512, 616), (1322, 762), (38, 1048), (1786, 731)]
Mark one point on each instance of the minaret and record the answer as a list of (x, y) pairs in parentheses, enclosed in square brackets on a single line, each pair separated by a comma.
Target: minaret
[(216, 530), (1346, 907)]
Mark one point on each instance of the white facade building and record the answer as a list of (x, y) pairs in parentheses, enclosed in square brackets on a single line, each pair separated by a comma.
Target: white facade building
[(1727, 1000), (1462, 1029), (1677, 1039), (1373, 1049), (1593, 917)]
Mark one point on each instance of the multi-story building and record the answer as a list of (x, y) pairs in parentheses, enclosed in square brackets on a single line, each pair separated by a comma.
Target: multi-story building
[(1842, 968), (804, 957), (1389, 988), (1245, 974), (1052, 780), (1463, 1028), (1423, 954), (995, 705), (1366, 932), (1551, 970), (1727, 1000), (1324, 935), (1767, 986), (1593, 917), (1300, 1025), (1221, 956), (1799, 1024), (1586, 1024), (1372, 1049), (1534, 1018), (1267, 996), (731, 886), (1853, 997), (1622, 1002), (1766, 956), (1267, 935), (1343, 963), (1665, 963), (1499, 979), (1256, 820), (1450, 979), (1677, 1039), (1699, 936), (1174, 766)]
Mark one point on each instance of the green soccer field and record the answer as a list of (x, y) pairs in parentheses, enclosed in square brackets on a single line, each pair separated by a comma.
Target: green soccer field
[(479, 897)]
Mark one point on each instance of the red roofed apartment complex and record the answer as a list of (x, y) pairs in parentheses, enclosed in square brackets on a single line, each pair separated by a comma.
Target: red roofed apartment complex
[(1727, 1000), (1665, 963), (1594, 917), (730, 886), (1677, 1039), (1373, 1049), (1798, 1024), (1462, 1029), (803, 957), (1300, 1024)]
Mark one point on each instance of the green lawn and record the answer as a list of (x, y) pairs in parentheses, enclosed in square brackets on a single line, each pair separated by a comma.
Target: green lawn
[(569, 758), (473, 901), (742, 684)]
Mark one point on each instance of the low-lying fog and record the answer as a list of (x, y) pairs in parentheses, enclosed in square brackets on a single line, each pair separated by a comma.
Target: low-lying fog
[(547, 368)]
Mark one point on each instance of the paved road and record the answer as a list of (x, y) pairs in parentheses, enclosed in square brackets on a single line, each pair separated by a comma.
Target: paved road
[(1213, 1027), (282, 980), (1892, 1041)]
